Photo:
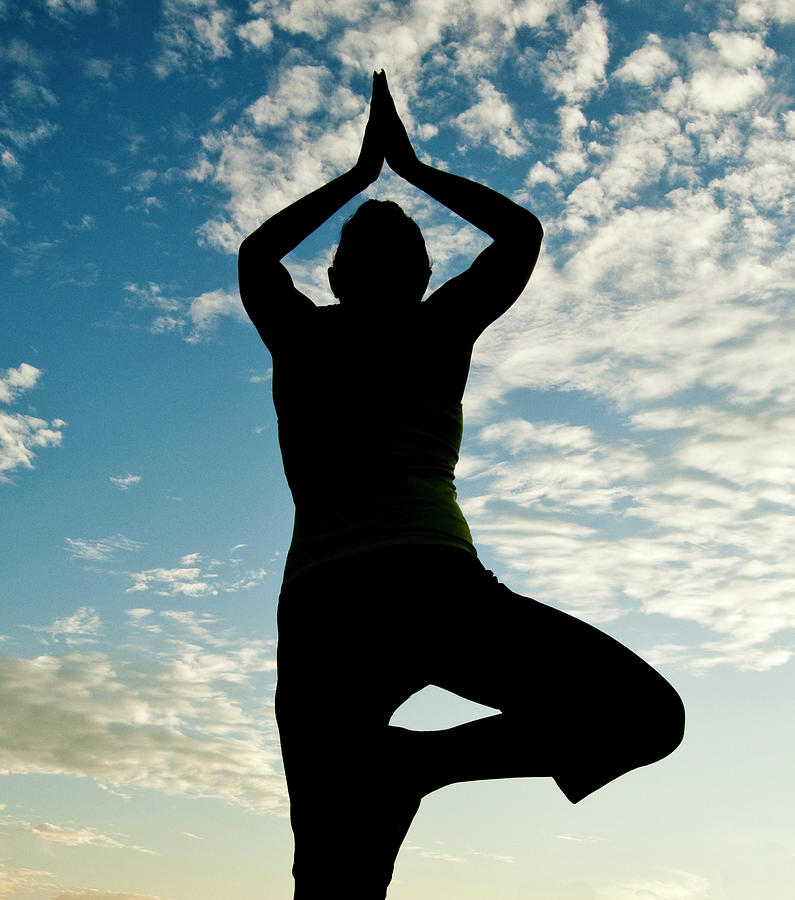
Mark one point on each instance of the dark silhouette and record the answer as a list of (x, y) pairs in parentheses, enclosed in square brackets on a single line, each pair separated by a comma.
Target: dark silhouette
[(383, 591)]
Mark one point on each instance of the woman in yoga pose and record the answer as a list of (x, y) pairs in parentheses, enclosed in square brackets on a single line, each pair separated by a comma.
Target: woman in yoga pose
[(383, 592)]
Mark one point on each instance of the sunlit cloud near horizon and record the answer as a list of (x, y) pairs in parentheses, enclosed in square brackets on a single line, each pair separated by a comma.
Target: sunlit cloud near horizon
[(629, 422)]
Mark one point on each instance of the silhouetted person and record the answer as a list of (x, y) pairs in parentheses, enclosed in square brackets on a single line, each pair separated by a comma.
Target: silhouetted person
[(383, 591)]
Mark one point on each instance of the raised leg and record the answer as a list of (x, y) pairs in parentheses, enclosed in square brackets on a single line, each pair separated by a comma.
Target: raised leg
[(575, 704)]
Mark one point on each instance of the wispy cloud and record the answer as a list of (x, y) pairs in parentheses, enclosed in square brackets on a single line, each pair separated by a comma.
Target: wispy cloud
[(170, 716), (23, 881), (193, 319), (192, 31), (706, 525), (438, 854), (125, 482), (99, 549), (444, 854), (196, 577), (80, 837), (82, 627), (62, 7)]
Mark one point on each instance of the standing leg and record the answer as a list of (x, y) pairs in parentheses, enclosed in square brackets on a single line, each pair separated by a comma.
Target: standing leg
[(341, 675)]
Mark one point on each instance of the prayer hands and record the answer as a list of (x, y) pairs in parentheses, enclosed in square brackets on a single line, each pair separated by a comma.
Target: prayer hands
[(385, 136), (398, 151), (371, 156)]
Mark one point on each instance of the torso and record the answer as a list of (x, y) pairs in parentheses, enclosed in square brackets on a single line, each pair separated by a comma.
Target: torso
[(369, 423), (346, 360)]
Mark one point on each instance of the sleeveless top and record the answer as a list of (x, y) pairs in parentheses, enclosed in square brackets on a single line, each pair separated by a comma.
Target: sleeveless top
[(368, 439)]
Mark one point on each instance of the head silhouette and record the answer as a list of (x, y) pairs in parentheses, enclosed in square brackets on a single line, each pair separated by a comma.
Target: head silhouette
[(380, 259)]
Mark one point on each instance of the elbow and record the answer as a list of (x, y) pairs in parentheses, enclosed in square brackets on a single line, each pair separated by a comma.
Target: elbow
[(525, 232), (535, 228), (244, 249)]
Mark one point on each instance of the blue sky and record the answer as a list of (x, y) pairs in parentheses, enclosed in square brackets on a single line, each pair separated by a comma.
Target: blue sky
[(627, 452)]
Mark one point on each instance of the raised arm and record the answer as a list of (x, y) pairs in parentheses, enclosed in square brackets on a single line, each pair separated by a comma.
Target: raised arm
[(499, 274), (269, 296)]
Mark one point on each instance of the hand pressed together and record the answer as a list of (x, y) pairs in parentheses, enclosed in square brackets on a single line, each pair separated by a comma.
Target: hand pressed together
[(385, 136)]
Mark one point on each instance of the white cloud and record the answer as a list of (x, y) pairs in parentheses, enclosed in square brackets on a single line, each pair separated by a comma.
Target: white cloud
[(9, 161), (80, 837), (125, 482), (211, 32), (16, 381), (22, 881), (441, 855), (21, 436), (542, 174), (578, 69), (706, 517), (23, 54), (100, 69), (646, 145), (647, 65), (205, 311), (724, 90), (571, 157), (740, 50), (192, 31), (321, 125), (194, 576), (727, 77), (302, 91), (81, 627), (583, 328), (194, 319), (151, 295), (491, 120), (25, 137), (756, 12), (189, 581), (31, 92), (315, 17), (261, 181), (495, 857), (168, 720), (99, 549), (6, 218), (256, 33), (60, 7)]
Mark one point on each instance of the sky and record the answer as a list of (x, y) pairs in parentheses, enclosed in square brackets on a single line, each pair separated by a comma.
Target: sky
[(627, 454)]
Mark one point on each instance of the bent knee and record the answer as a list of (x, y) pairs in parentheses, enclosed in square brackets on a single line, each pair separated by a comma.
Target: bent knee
[(661, 721)]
